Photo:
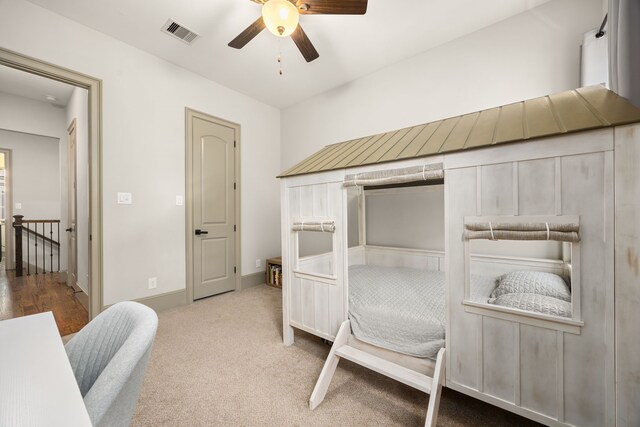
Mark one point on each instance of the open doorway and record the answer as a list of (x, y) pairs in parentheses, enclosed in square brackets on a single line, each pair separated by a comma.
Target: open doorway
[(46, 237)]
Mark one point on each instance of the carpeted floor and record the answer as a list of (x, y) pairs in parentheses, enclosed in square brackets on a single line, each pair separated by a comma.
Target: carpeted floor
[(221, 361)]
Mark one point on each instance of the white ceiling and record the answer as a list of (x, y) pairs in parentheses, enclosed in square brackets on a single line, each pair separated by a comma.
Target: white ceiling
[(349, 46), (20, 83)]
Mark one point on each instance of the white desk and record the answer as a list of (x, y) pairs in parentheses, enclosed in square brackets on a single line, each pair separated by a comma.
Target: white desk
[(37, 385)]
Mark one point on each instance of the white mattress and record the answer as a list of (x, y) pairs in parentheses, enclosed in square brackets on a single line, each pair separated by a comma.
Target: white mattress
[(402, 309)]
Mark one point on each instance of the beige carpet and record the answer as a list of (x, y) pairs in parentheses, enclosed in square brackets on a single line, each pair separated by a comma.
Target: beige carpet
[(221, 361)]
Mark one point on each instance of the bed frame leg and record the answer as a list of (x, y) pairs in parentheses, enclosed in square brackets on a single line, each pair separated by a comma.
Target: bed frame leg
[(330, 365), (287, 335), (436, 390)]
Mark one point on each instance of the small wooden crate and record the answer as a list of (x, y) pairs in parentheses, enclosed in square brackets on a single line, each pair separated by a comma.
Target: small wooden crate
[(273, 272)]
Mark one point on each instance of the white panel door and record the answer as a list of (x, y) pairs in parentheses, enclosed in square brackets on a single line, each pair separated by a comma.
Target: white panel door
[(214, 215), (72, 262)]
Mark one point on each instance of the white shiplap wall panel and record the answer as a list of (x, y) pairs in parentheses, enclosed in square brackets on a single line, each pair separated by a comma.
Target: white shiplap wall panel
[(320, 200), (583, 185), (308, 303), (462, 335), (498, 358), (497, 189), (294, 202), (296, 299), (337, 209), (306, 201), (627, 273), (536, 187), (321, 309), (538, 368), (295, 302)]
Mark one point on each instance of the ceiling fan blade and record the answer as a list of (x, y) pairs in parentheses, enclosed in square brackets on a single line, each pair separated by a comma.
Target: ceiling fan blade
[(247, 35), (332, 7), (304, 44)]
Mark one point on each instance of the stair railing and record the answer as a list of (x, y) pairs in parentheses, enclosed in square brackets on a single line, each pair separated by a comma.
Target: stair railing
[(35, 231)]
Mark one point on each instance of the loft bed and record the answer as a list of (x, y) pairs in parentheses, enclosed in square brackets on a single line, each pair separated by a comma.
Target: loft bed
[(537, 364)]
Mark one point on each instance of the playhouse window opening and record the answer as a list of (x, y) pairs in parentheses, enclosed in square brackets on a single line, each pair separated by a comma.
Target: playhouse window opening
[(316, 253), (525, 274)]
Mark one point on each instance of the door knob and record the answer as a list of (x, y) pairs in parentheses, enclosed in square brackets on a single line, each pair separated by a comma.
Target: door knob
[(69, 229), (199, 232)]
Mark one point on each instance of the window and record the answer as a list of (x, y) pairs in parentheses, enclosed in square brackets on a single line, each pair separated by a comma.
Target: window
[(523, 266), (315, 248)]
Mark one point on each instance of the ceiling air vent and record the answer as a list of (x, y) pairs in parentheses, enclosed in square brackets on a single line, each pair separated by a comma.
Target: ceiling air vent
[(178, 31)]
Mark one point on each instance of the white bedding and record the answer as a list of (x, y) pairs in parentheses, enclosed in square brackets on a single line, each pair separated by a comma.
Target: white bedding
[(401, 308)]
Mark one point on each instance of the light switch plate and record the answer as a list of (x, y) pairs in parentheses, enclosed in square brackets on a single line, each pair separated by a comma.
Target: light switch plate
[(18, 206), (124, 198), (179, 201)]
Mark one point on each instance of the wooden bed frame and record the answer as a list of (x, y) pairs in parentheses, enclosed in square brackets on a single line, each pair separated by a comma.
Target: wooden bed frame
[(489, 351)]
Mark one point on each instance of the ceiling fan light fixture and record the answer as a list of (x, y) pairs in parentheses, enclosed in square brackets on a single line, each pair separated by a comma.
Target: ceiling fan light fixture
[(280, 17)]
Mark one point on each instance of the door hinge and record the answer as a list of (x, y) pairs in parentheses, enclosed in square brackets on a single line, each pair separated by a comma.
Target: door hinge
[(234, 270), (234, 227), (234, 144), (90, 237), (234, 185)]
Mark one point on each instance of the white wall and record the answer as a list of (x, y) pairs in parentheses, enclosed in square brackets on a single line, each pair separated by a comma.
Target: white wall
[(29, 116), (144, 100), (36, 174), (532, 54), (78, 108)]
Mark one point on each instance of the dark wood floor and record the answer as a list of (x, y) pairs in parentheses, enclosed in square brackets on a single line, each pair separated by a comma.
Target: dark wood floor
[(22, 296)]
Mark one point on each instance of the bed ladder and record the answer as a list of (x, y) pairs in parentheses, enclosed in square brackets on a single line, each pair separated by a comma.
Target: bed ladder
[(341, 349)]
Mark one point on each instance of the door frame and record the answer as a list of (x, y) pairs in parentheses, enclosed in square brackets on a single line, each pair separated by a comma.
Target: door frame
[(94, 88), (190, 114), (9, 263)]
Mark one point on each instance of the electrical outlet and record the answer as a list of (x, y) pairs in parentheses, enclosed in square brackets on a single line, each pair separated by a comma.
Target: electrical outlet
[(258, 263), (153, 282)]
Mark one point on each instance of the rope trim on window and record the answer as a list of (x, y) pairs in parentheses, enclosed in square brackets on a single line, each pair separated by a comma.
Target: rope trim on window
[(321, 226), (522, 231), (433, 172)]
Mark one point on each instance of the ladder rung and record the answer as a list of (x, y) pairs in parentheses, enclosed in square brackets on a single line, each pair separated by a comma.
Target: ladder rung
[(384, 367)]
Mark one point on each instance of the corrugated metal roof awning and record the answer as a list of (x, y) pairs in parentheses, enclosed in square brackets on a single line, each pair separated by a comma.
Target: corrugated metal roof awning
[(572, 111)]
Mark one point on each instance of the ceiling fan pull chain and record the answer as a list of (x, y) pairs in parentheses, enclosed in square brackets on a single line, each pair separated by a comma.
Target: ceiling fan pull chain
[(280, 71)]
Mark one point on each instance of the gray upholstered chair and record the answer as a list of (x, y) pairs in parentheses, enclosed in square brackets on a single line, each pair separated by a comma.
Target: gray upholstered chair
[(109, 357)]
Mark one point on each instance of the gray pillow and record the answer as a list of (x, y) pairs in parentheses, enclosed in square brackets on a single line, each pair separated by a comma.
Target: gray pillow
[(532, 282), (534, 302)]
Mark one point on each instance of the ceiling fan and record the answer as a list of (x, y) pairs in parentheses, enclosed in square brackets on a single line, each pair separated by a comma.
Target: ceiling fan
[(281, 18)]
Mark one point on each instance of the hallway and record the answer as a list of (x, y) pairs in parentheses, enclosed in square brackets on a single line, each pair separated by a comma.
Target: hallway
[(22, 296)]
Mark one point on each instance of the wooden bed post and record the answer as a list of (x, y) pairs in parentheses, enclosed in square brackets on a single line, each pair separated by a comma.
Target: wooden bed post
[(362, 217)]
